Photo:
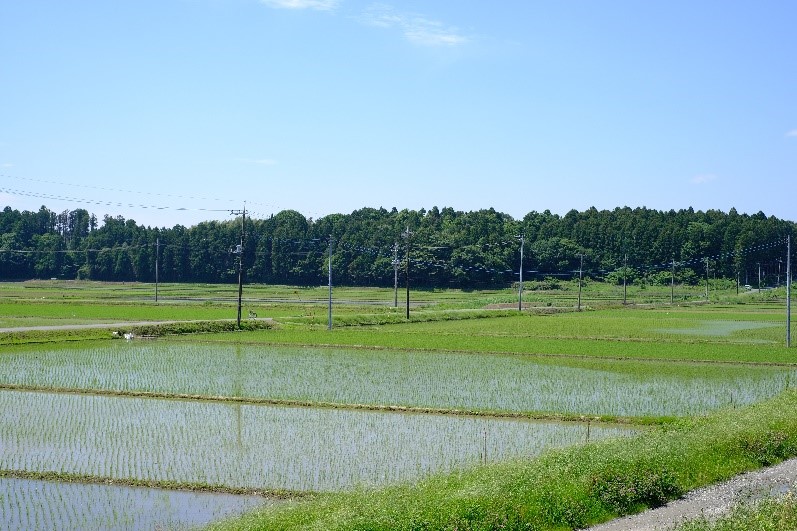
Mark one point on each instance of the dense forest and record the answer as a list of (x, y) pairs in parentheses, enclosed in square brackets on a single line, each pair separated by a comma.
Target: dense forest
[(446, 248)]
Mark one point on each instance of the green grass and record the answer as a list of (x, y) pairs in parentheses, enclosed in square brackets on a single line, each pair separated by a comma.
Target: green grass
[(119, 291), (39, 313), (563, 489), (528, 334), (593, 293), (773, 514)]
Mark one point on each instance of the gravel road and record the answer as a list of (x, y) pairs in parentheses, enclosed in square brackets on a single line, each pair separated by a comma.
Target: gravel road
[(711, 501)]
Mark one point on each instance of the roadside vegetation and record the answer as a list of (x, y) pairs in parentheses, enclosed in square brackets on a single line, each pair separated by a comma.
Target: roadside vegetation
[(772, 514)]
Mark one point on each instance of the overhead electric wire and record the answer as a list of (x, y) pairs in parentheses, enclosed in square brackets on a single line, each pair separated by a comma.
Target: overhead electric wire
[(44, 195), (104, 202), (119, 190)]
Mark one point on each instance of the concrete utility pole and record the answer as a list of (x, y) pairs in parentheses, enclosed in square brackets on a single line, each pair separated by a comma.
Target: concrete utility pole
[(625, 274), (329, 320), (157, 253), (395, 274), (240, 252), (407, 234), (788, 291), (672, 283), (780, 262), (580, 271), (707, 279), (520, 273)]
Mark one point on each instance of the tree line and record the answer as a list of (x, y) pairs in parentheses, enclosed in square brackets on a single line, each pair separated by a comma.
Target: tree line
[(369, 247)]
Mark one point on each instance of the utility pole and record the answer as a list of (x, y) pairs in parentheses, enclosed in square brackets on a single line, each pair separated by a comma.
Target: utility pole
[(520, 273), (395, 274), (788, 291), (407, 234), (625, 273), (329, 320), (672, 283), (240, 252), (580, 271), (780, 261), (157, 253), (759, 277), (707, 279)]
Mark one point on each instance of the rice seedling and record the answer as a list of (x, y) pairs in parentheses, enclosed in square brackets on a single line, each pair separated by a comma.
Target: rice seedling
[(439, 380), (36, 504), (255, 447)]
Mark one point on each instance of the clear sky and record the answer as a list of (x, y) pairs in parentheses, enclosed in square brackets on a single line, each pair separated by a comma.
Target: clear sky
[(176, 111)]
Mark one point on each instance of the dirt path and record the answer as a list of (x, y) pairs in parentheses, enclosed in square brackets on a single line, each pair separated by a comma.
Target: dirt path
[(711, 501)]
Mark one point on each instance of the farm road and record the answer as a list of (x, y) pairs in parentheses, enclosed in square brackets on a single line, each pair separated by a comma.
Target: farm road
[(712, 501), (89, 326)]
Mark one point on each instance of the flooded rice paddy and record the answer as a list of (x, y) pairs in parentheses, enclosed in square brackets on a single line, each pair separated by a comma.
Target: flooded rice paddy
[(508, 383), (66, 424), (254, 446), (721, 328), (27, 504)]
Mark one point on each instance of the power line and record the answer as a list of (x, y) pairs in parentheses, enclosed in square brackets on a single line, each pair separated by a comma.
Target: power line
[(44, 195), (119, 190), (104, 202)]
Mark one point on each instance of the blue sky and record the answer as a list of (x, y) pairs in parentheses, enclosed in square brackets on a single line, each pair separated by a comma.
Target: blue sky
[(176, 111)]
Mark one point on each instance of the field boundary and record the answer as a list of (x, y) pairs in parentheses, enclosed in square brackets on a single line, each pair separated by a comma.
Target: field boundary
[(68, 477)]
